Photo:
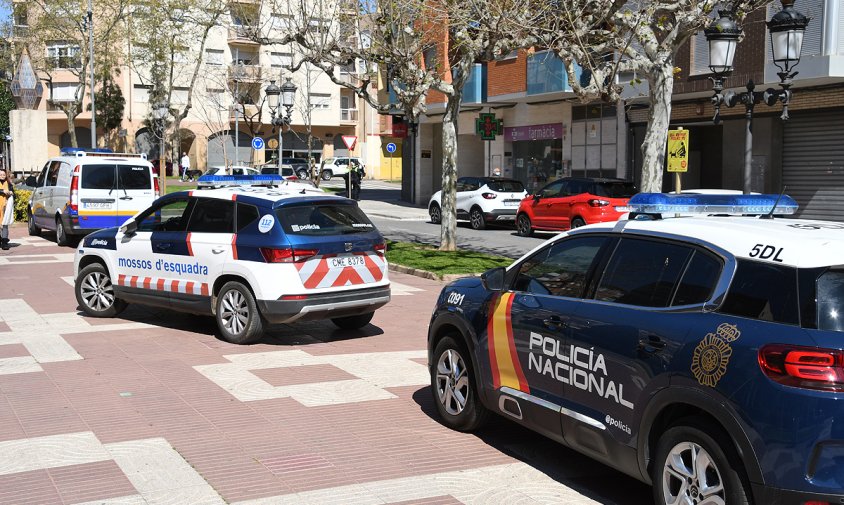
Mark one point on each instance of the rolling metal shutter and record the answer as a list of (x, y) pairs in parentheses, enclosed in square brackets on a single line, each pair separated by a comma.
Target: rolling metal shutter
[(813, 164)]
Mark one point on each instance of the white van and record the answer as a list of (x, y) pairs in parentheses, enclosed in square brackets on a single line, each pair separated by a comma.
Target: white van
[(81, 192)]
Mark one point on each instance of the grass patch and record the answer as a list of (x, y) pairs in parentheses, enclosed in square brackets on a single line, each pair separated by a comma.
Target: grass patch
[(172, 188), (430, 259)]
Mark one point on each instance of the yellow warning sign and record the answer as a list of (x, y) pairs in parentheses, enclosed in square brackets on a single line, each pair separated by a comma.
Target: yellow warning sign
[(678, 150)]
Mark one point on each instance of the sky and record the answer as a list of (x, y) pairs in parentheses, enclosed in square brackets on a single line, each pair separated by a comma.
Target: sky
[(4, 13)]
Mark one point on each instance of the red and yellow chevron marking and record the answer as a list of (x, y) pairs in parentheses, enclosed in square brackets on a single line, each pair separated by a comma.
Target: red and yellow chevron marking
[(503, 360)]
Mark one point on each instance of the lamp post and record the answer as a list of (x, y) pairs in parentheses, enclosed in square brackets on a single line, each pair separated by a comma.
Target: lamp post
[(786, 29), (160, 112), (287, 93)]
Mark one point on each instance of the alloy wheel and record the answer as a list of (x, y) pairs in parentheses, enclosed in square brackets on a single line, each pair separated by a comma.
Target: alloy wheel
[(452, 382), (97, 291), (477, 219), (691, 477), (235, 313), (436, 218)]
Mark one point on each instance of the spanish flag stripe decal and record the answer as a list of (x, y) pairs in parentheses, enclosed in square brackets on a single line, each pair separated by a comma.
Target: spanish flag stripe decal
[(504, 361)]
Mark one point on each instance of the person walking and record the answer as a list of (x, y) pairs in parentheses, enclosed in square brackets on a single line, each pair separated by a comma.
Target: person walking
[(7, 209), (185, 164)]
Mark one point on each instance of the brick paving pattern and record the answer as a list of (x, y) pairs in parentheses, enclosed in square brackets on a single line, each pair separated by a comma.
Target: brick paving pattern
[(151, 407)]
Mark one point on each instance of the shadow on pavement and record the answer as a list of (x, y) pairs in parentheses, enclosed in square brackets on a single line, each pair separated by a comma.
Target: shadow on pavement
[(568, 467)]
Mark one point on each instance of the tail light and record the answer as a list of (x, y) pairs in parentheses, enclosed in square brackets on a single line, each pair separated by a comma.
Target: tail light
[(489, 196), (74, 189), (157, 186), (381, 248), (287, 255), (803, 367), (598, 203)]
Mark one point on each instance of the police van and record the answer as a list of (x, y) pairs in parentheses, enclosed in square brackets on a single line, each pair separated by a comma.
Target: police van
[(82, 191), (703, 355), (247, 255)]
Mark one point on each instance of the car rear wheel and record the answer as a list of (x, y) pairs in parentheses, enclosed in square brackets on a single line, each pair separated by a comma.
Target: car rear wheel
[(691, 466), (577, 223), (353, 322), (33, 228), (523, 226), (435, 213), (62, 238), (95, 292), (237, 314), (476, 218), (302, 174), (326, 175), (453, 385)]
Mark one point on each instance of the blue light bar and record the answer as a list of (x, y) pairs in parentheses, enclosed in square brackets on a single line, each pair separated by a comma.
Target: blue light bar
[(240, 180), (662, 203)]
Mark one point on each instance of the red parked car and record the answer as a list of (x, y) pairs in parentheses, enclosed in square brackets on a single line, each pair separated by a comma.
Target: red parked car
[(572, 202)]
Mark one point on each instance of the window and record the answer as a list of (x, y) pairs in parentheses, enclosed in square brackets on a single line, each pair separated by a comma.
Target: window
[(133, 177), (213, 56), (553, 190), (830, 294), (98, 177), (53, 173), (246, 215), (141, 93), (42, 176), (320, 220), (699, 281), (763, 291), (179, 95), (561, 269), (505, 186), (281, 22), (577, 188), (64, 91), (615, 189), (319, 101), (171, 216), (429, 57), (20, 14), (642, 272), (211, 215), (63, 54), (281, 60)]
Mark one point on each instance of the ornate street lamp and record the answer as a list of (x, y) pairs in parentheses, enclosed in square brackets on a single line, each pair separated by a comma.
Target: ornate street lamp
[(786, 28), (287, 93)]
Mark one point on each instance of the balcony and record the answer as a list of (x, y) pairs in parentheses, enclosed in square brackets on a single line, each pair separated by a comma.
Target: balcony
[(546, 73), (243, 35), (245, 73), (474, 91), (349, 115)]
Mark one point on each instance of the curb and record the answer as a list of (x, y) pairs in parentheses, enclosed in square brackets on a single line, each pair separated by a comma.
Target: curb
[(427, 275)]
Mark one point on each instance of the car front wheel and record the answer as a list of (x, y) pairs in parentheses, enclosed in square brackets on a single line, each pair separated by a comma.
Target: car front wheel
[(476, 218), (33, 228), (326, 175), (95, 292), (523, 226), (435, 213), (453, 385), (237, 314), (691, 466), (302, 174)]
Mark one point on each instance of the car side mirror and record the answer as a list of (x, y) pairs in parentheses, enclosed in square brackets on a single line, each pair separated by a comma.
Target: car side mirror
[(129, 227), (493, 279), (31, 181), (537, 196)]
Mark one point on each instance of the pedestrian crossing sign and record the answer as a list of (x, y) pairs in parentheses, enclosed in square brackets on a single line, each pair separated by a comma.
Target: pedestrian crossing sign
[(678, 150)]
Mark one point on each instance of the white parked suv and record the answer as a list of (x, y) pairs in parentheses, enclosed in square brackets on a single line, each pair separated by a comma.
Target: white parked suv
[(330, 167), (482, 200)]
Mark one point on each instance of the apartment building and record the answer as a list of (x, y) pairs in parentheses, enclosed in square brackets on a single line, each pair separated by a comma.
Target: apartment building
[(217, 130)]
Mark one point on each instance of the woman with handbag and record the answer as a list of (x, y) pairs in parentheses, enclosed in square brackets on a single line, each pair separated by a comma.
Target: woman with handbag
[(7, 209)]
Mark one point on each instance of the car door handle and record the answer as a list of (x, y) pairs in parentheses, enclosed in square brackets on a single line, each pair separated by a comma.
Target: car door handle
[(126, 198), (217, 250), (651, 343), (554, 323)]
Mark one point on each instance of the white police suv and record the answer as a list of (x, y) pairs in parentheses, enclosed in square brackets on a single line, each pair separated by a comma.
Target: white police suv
[(702, 355), (246, 255)]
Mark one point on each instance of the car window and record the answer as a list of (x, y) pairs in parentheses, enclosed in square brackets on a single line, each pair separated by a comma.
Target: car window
[(577, 187), (171, 216), (43, 175), (615, 189), (763, 291), (552, 190), (64, 175), (561, 269), (830, 295), (212, 215), (642, 272), (98, 177), (505, 186), (323, 219), (246, 215), (133, 177), (699, 280), (211, 171), (461, 184), (53, 173)]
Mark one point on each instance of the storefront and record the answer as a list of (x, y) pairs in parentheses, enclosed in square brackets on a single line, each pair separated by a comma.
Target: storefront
[(537, 154)]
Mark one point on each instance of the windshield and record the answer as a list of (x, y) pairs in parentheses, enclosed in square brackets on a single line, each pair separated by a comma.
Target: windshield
[(505, 186), (323, 219), (615, 189)]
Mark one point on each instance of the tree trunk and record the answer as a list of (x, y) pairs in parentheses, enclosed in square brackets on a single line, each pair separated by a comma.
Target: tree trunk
[(71, 129), (448, 200), (661, 84)]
